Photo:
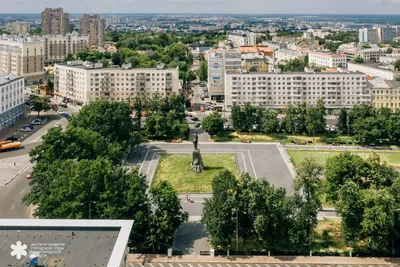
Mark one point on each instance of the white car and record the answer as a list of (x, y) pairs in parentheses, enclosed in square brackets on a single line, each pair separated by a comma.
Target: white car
[(58, 124), (37, 122), (61, 112), (26, 129)]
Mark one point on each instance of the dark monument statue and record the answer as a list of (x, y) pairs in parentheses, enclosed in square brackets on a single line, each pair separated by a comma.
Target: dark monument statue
[(197, 162)]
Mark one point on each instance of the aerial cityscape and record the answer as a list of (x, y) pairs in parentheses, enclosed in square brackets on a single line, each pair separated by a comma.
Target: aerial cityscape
[(188, 133)]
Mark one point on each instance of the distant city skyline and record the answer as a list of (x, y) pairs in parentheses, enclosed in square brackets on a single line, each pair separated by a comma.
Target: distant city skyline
[(208, 6)]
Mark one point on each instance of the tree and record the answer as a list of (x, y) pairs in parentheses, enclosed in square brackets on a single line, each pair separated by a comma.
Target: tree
[(217, 212), (342, 121), (111, 119), (167, 216), (367, 130), (253, 69), (269, 121), (41, 103), (341, 168), (315, 120), (358, 60), (307, 187), (393, 129), (295, 118), (397, 64), (50, 84), (213, 123), (69, 57), (202, 72)]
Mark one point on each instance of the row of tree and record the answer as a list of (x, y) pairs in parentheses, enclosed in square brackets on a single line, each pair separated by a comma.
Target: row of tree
[(263, 214), (370, 125), (366, 193), (79, 175)]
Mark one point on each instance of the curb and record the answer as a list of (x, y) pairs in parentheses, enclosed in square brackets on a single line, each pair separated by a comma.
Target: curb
[(18, 173)]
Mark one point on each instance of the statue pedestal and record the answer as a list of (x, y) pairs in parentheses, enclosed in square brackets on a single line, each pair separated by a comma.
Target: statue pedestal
[(197, 162)]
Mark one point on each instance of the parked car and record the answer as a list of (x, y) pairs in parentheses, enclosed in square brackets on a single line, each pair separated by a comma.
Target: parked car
[(198, 125), (26, 129), (61, 112), (37, 122), (28, 126), (58, 124), (12, 138), (63, 105), (195, 119), (190, 121), (189, 115)]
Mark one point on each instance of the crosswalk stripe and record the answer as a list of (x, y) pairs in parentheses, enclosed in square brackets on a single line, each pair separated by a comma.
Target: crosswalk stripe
[(180, 265), (151, 265), (171, 265), (199, 265), (160, 265)]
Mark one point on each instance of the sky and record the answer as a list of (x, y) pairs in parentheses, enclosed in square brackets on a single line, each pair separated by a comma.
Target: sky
[(207, 6)]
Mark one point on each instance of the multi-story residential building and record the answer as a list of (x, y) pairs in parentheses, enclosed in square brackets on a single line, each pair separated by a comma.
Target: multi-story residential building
[(55, 21), (11, 99), (57, 47), (285, 55), (85, 81), (16, 27), (242, 38), (22, 56), (327, 60), (370, 54), (375, 70), (94, 26), (259, 49), (220, 61), (277, 90), (366, 35), (386, 34), (254, 62), (385, 93)]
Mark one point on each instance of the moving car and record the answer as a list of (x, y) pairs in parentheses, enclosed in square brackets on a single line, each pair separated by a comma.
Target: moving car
[(12, 138), (37, 122), (58, 124), (10, 146), (26, 129), (63, 105), (61, 112)]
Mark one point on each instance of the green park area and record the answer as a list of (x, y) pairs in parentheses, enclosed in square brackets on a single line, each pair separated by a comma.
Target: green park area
[(392, 158), (174, 168)]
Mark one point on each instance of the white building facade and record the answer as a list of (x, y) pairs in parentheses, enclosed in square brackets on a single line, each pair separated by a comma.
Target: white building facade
[(277, 90), (327, 60), (84, 82), (286, 55), (242, 38), (11, 99), (374, 71), (220, 61)]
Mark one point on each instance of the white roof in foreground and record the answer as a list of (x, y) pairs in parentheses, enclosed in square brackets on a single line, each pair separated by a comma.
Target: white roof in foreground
[(35, 226)]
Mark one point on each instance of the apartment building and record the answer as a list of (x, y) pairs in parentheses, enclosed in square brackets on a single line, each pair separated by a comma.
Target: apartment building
[(94, 26), (370, 54), (327, 60), (366, 35), (85, 81), (55, 21), (254, 62), (11, 99), (22, 56), (286, 55), (387, 34), (242, 38), (16, 27), (57, 47), (277, 90), (385, 93), (220, 61), (385, 72)]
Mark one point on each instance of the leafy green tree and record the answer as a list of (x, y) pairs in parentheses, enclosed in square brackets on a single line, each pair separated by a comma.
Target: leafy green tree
[(41, 103), (167, 216), (307, 186), (367, 130), (397, 64), (341, 168), (315, 120), (69, 57), (342, 121), (253, 69), (295, 118), (202, 72), (358, 60), (269, 121), (111, 119), (393, 128), (218, 210), (357, 112), (213, 123), (366, 46), (293, 65)]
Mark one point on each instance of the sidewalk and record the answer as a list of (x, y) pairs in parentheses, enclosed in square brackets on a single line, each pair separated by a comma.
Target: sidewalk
[(140, 258), (16, 129)]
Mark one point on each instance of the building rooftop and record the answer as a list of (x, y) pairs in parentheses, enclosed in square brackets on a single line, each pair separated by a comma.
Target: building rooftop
[(298, 73), (291, 52), (78, 64), (7, 77), (327, 55), (63, 242), (255, 49)]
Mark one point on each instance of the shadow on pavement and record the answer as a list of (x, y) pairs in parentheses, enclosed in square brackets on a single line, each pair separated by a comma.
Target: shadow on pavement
[(191, 238)]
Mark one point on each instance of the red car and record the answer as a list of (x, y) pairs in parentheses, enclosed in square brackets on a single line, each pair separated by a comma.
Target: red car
[(29, 176)]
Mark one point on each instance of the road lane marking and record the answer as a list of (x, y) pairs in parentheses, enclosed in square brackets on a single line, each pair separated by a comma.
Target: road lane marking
[(130, 264), (252, 164), (141, 166), (21, 191), (244, 162), (12, 206), (152, 158)]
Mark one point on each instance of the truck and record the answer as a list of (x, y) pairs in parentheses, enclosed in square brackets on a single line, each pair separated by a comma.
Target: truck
[(5, 142), (10, 146)]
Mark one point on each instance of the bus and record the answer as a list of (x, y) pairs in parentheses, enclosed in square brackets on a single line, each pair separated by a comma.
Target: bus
[(10, 146)]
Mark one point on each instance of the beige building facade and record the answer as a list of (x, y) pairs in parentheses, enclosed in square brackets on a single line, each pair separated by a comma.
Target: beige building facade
[(385, 94), (57, 47), (22, 56), (94, 26), (18, 27), (55, 21), (85, 82)]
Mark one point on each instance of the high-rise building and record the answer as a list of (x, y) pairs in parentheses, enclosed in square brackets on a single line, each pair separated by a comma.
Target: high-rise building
[(85, 81), (11, 99), (19, 27), (94, 26), (387, 34), (242, 38), (22, 56), (57, 47), (55, 21), (220, 61), (277, 90), (366, 35)]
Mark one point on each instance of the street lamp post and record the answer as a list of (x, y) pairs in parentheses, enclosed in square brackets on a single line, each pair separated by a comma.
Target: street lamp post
[(90, 207), (393, 249)]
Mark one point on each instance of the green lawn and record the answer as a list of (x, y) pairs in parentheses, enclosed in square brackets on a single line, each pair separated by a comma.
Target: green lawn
[(392, 158), (328, 236), (174, 168)]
